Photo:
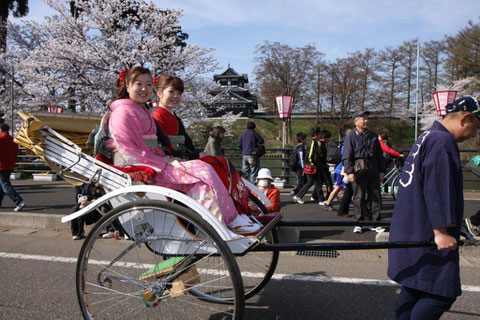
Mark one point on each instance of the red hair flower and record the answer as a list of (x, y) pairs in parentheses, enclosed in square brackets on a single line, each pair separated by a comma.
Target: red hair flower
[(121, 75), (155, 80)]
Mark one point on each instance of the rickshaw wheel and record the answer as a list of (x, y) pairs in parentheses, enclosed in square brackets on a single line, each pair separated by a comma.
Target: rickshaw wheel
[(125, 279), (256, 267)]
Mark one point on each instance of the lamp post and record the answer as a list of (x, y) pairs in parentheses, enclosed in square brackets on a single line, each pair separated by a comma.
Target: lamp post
[(441, 98), (13, 102), (284, 109)]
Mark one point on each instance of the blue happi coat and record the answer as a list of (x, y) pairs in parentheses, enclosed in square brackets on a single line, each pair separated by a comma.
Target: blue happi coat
[(430, 196)]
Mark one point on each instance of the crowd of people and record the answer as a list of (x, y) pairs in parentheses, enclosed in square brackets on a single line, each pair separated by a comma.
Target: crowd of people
[(357, 164)]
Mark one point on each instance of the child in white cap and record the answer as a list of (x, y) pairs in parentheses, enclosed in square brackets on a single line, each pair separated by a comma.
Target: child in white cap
[(264, 183)]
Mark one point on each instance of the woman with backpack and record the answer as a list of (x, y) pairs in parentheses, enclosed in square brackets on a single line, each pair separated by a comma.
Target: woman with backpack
[(312, 169)]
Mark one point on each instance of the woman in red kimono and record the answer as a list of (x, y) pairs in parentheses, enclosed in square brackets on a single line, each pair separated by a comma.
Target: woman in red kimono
[(169, 91)]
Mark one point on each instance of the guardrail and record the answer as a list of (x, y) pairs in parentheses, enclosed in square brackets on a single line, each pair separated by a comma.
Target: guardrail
[(276, 159), (282, 157)]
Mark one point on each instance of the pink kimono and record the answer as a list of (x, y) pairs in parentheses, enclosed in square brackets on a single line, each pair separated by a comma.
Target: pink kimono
[(132, 127)]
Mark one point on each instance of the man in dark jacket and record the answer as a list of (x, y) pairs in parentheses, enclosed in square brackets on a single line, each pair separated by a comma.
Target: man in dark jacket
[(362, 145), (8, 157), (247, 142)]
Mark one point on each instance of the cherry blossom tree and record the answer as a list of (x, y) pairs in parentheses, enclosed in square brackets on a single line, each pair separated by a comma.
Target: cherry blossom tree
[(75, 58), (465, 87)]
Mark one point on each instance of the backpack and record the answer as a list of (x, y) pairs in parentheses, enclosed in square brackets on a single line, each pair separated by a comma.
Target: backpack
[(294, 160), (333, 152)]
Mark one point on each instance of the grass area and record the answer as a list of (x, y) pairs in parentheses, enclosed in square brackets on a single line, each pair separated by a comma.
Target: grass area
[(401, 133)]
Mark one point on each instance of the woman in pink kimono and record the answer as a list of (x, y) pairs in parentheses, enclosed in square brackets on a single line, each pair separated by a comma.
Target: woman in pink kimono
[(135, 143)]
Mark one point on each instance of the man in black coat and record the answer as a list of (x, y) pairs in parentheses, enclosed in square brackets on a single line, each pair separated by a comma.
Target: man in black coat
[(362, 149)]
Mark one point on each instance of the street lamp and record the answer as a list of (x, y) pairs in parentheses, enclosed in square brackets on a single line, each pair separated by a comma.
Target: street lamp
[(441, 99), (284, 109)]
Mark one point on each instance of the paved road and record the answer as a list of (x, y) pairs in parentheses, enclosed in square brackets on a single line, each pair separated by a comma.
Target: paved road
[(349, 284), (38, 282)]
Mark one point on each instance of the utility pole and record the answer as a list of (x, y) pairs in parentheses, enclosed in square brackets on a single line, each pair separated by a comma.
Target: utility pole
[(416, 96)]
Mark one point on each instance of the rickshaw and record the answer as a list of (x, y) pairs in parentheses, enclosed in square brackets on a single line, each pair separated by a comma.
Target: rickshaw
[(179, 261)]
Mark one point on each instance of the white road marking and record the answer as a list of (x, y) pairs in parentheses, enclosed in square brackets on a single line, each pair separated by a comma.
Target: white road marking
[(281, 276)]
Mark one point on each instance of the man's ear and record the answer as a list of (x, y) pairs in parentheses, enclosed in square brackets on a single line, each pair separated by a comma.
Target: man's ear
[(464, 118)]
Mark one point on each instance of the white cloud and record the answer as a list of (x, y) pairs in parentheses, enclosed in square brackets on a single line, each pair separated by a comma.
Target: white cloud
[(330, 16)]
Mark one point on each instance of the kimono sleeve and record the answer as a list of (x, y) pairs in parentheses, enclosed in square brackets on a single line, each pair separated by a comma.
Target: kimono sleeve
[(126, 129)]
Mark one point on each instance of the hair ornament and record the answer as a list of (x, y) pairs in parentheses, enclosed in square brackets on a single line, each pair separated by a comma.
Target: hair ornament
[(121, 75)]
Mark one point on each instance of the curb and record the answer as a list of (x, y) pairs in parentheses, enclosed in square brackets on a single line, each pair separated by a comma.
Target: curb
[(33, 220)]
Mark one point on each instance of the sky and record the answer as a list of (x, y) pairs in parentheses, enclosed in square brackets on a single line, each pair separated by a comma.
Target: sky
[(234, 28)]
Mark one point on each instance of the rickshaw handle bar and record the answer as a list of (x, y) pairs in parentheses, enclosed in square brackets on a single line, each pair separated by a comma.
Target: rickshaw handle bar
[(344, 246), (313, 223)]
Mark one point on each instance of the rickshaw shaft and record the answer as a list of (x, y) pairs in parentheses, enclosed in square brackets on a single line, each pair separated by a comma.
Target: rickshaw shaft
[(342, 246), (314, 223)]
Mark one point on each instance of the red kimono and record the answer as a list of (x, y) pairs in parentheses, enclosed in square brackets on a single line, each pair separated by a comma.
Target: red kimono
[(171, 126)]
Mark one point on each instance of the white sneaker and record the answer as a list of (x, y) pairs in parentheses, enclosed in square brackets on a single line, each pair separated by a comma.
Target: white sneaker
[(377, 229), (313, 199), (299, 200), (474, 230), (19, 207), (322, 203), (357, 229), (108, 235)]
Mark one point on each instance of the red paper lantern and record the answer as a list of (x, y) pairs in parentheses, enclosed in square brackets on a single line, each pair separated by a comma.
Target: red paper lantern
[(441, 99), (284, 106), (54, 109)]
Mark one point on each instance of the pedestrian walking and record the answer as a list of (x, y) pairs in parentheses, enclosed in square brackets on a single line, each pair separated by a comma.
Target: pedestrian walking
[(297, 162), (8, 158), (248, 142), (312, 169), (214, 144), (430, 207), (364, 164), (325, 175)]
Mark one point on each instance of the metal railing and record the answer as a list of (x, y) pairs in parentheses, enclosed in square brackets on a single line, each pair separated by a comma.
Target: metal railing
[(276, 159)]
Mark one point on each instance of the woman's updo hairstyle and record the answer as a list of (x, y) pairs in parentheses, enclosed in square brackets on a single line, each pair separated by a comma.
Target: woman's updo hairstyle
[(125, 77), (167, 80)]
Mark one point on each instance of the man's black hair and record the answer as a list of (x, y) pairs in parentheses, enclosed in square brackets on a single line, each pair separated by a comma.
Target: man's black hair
[(325, 134), (315, 131), (301, 136), (4, 127), (251, 125)]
